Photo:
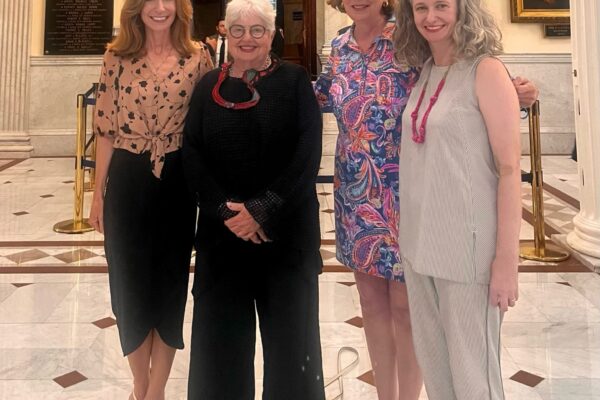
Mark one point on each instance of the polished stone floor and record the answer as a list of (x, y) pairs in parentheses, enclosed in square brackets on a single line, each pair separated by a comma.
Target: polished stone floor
[(58, 338)]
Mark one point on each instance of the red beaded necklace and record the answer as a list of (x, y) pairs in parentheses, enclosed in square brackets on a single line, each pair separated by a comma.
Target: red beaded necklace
[(419, 136), (250, 78)]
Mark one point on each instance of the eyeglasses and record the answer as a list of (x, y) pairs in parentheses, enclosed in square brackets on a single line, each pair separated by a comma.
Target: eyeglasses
[(238, 31)]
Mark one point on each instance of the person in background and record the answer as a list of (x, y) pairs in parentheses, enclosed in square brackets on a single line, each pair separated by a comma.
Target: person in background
[(141, 202), (460, 195), (367, 90), (217, 43), (252, 149)]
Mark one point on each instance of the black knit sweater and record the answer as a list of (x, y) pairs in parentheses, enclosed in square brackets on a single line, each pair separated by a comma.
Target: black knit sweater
[(266, 156)]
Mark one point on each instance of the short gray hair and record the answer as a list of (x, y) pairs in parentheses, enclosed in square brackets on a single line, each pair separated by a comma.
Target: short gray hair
[(263, 9)]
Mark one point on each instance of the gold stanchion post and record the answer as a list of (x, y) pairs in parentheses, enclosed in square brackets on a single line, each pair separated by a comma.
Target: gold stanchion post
[(89, 186), (538, 249), (78, 224)]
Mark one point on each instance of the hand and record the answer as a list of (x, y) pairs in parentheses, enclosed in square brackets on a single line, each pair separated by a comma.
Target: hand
[(526, 91), (243, 225), (96, 218), (504, 284), (262, 235)]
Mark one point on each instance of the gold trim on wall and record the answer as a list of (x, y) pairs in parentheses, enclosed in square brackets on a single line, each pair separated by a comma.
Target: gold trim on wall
[(520, 12)]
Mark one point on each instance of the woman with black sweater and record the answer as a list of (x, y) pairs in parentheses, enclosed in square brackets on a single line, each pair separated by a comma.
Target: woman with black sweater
[(252, 148)]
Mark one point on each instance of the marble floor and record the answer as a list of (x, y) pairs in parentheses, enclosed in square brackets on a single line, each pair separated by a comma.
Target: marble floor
[(58, 338)]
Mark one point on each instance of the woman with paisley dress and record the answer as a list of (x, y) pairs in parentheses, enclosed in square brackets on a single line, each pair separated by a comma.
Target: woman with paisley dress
[(141, 202), (367, 91)]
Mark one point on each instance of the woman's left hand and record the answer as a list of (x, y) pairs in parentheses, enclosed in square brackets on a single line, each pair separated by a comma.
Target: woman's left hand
[(504, 284), (243, 225)]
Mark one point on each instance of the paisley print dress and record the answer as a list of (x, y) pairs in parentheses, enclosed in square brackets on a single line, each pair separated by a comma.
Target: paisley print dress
[(367, 92)]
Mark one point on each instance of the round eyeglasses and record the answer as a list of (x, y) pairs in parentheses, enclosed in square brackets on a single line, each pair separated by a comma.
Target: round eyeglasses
[(238, 31)]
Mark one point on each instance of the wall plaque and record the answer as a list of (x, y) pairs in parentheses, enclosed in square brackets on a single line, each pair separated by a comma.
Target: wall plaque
[(77, 27), (557, 30)]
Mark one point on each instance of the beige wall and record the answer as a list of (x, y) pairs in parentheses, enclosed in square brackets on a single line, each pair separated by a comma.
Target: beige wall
[(518, 38), (525, 37)]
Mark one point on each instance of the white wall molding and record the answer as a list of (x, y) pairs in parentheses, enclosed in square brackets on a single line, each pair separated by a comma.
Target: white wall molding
[(65, 61), (533, 58)]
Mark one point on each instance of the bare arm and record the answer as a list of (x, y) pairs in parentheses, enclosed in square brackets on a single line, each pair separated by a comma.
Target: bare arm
[(104, 151), (105, 127), (499, 106)]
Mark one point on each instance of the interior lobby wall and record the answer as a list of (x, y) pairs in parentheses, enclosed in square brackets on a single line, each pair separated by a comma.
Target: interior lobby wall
[(56, 80), (525, 37), (546, 61)]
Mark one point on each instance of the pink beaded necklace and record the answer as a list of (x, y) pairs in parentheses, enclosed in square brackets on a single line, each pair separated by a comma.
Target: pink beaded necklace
[(419, 136)]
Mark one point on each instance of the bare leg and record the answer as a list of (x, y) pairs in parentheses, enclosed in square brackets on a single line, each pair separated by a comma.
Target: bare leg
[(410, 378), (139, 363), (162, 357), (377, 319)]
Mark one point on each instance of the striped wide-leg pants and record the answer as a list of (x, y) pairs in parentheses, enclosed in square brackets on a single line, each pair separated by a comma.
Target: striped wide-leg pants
[(456, 334)]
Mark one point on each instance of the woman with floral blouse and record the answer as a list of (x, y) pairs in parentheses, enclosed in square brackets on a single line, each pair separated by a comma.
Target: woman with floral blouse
[(141, 202)]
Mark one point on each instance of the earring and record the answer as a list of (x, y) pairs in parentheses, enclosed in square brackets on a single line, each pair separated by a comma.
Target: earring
[(385, 4)]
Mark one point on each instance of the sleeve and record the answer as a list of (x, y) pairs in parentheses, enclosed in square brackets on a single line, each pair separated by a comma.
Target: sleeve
[(298, 179), (323, 83), (105, 113), (209, 195)]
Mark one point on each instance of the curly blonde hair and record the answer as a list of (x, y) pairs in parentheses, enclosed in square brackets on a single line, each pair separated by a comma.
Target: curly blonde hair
[(475, 33), (131, 40), (387, 10)]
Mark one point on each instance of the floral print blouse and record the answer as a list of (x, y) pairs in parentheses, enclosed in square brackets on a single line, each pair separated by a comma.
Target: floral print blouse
[(142, 111), (367, 92)]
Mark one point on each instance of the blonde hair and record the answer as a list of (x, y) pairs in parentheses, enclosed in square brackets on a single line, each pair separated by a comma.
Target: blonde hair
[(475, 33), (131, 40), (387, 10), (263, 9)]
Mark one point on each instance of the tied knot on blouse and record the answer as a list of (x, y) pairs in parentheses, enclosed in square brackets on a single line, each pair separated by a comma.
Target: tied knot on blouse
[(141, 113), (157, 152)]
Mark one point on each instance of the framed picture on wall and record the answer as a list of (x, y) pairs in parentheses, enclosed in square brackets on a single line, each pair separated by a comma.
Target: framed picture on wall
[(544, 11)]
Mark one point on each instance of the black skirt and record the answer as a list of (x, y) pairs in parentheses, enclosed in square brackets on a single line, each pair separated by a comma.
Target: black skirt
[(149, 231)]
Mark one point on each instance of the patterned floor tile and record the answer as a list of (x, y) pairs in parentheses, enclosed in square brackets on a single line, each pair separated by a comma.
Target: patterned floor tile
[(70, 379), (105, 322), (527, 379), (75, 256), (26, 256), (368, 377)]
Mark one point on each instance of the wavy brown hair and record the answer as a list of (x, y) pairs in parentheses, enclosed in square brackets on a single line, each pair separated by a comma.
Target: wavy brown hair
[(475, 33), (387, 10), (131, 40)]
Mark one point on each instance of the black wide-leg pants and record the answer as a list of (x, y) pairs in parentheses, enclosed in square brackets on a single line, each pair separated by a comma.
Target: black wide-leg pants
[(234, 282)]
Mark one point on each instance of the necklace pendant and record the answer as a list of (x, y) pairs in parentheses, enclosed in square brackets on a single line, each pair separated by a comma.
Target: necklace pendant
[(420, 136)]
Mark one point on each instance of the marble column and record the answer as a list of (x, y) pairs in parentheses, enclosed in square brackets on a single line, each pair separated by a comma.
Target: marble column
[(585, 40), (15, 39), (334, 21)]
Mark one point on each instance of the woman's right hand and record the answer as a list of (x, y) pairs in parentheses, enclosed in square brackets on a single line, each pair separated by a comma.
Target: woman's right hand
[(96, 214), (504, 283)]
